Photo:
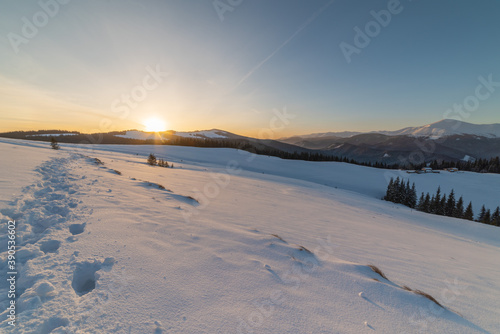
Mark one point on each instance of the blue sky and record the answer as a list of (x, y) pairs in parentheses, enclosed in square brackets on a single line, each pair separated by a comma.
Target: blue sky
[(87, 65)]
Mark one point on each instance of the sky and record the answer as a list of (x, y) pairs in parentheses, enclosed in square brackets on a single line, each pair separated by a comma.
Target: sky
[(253, 67)]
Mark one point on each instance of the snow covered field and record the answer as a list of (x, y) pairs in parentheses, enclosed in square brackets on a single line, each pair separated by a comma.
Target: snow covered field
[(236, 243)]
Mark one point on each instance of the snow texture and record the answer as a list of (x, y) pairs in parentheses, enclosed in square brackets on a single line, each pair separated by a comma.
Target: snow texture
[(235, 243)]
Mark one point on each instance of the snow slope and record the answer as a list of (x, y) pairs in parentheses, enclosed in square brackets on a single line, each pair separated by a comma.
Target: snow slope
[(478, 188), (53, 135), (106, 252), (212, 134), (141, 135)]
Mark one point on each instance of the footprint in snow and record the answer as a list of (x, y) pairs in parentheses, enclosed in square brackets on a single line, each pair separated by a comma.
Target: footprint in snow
[(77, 228), (158, 329), (51, 324), (85, 275), (50, 246)]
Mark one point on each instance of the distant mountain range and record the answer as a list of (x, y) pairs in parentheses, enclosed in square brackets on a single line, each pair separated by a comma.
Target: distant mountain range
[(444, 140), (448, 140), (168, 135), (443, 128)]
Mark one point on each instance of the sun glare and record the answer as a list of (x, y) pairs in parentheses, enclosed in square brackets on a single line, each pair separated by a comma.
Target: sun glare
[(155, 125)]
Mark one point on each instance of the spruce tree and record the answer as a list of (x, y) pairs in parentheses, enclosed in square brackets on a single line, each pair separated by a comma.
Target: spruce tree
[(152, 159), (396, 196), (469, 214), (436, 201), (427, 203), (495, 217), (442, 206), (481, 214), (54, 144), (412, 197), (421, 203), (389, 192), (407, 194), (459, 208), (450, 204), (402, 193), (432, 207), (487, 217)]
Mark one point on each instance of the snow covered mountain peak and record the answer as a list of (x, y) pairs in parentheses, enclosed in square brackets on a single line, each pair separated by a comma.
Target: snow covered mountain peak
[(449, 127), (212, 134), (442, 128)]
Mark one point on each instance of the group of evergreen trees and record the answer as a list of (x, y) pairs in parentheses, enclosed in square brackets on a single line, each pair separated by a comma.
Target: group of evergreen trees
[(439, 204), (486, 217), (401, 193), (153, 161), (491, 165), (445, 205)]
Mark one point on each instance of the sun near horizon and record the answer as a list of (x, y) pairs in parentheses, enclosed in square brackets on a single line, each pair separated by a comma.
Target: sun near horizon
[(154, 124)]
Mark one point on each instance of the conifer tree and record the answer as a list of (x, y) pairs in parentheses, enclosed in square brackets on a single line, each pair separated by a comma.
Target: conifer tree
[(450, 204), (495, 217), (389, 192), (436, 201), (432, 208), (407, 194), (401, 193), (459, 208), (427, 203), (54, 144), (469, 214), (482, 214), (487, 217), (421, 203), (412, 197), (442, 206), (162, 163), (396, 198), (152, 159)]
